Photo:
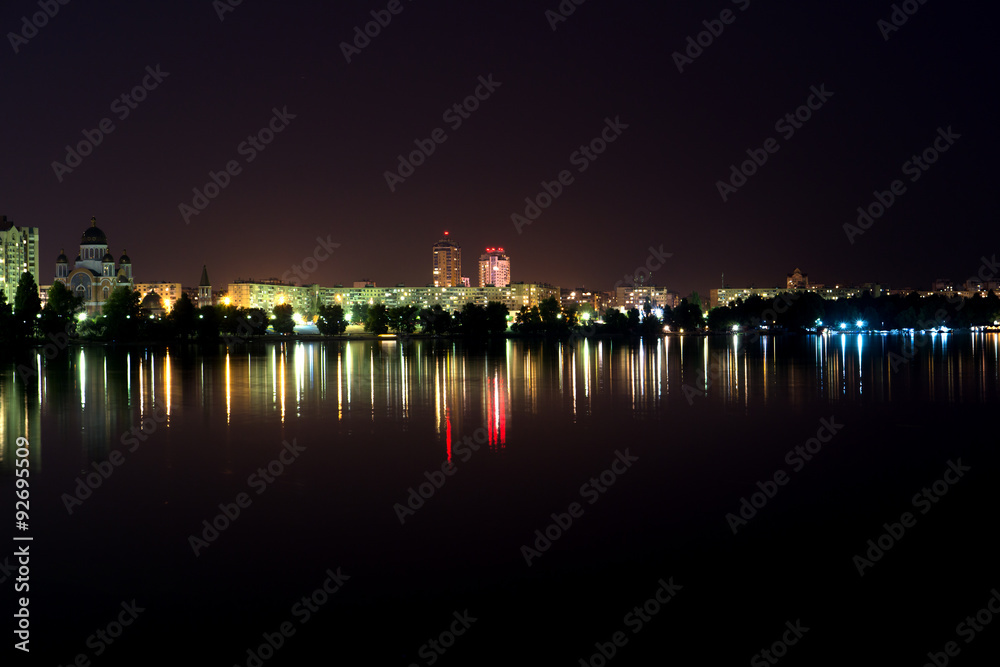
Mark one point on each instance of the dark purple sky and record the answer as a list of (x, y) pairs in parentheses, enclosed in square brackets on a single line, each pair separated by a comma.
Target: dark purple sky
[(323, 175)]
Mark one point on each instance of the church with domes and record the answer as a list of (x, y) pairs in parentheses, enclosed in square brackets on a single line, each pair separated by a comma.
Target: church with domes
[(95, 273)]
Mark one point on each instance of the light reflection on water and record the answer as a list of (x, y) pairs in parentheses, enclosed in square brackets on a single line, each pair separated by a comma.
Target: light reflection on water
[(456, 386)]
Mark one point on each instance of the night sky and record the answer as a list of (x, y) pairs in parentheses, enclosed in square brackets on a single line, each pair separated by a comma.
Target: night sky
[(656, 185)]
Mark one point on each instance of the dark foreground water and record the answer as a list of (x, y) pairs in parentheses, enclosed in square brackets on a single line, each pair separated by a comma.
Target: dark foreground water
[(644, 452)]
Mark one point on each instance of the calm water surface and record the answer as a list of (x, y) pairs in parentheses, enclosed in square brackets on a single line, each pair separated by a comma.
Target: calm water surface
[(526, 428)]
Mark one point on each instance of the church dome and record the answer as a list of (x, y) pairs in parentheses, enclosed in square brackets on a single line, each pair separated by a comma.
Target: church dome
[(124, 259), (151, 301), (108, 257), (93, 235), (62, 257)]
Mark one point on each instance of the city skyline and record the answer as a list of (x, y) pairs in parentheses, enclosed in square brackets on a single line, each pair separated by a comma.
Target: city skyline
[(983, 280)]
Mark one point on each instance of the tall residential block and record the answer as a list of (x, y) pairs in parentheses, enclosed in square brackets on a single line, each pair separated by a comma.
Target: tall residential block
[(447, 263), (494, 268), (18, 253)]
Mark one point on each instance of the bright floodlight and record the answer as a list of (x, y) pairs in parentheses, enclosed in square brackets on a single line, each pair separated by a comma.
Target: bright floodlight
[(81, 316), (736, 327), (843, 325), (860, 323)]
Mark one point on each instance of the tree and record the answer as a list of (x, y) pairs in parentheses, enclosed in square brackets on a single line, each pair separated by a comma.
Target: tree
[(359, 314), (207, 324), (59, 313), (615, 322), (496, 318), (528, 320), (27, 306), (686, 316), (550, 310), (377, 319), (331, 320), (283, 322), (721, 319), (435, 320), (402, 319), (473, 320), (651, 326), (183, 316), (121, 314), (255, 321)]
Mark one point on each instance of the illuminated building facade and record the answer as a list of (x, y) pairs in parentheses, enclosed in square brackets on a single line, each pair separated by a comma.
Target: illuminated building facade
[(303, 298), (95, 273), (645, 297), (447, 263), (18, 253), (494, 268), (168, 292)]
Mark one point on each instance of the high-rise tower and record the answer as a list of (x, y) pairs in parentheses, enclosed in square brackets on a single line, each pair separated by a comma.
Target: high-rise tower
[(18, 254), (494, 268), (447, 263)]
